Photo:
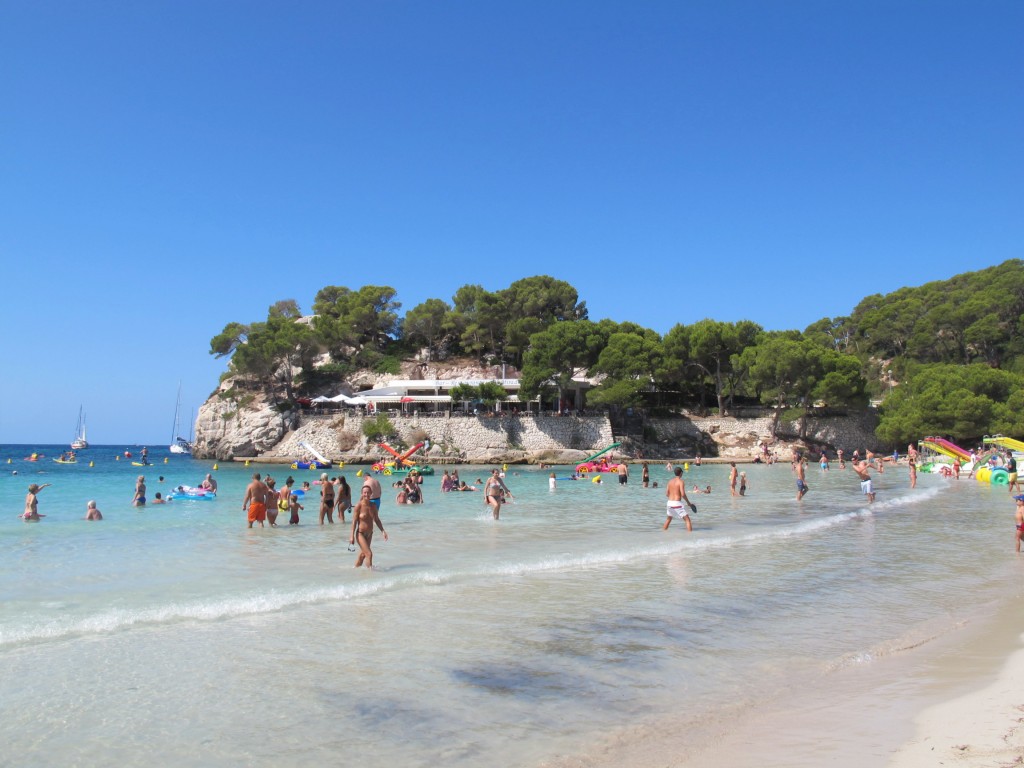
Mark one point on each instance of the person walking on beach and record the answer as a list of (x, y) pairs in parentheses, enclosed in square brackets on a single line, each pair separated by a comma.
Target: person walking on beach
[(1011, 472), (495, 491), (732, 478), (32, 503), (139, 499), (861, 468), (675, 492), (91, 512), (364, 518), (800, 467), (255, 501), (326, 499), (623, 472)]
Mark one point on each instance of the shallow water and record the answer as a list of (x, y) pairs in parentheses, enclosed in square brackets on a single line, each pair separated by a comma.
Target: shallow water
[(178, 631)]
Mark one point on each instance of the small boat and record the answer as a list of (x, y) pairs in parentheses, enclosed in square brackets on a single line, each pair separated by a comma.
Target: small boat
[(66, 461), (80, 443), (179, 444)]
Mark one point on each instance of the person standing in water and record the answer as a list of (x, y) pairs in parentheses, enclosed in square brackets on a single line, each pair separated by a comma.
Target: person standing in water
[(255, 501), (343, 494), (91, 512), (326, 499), (645, 475), (364, 518), (32, 503), (1019, 519), (913, 471), (800, 467), (675, 492), (732, 478), (861, 468), (139, 499), (495, 491)]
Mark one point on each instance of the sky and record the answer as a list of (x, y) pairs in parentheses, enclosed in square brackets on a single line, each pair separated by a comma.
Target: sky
[(167, 168)]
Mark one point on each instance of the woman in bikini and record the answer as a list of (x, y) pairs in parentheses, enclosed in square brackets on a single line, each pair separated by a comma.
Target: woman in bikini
[(344, 495), (495, 491), (326, 499), (364, 517)]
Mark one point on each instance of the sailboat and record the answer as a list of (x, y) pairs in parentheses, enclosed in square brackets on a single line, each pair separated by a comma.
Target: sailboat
[(80, 442), (178, 443)]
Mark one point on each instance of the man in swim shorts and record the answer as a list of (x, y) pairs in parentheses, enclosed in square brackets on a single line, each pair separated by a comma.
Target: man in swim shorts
[(675, 492), (623, 472), (1019, 519), (371, 482), (255, 501), (861, 468), (800, 467)]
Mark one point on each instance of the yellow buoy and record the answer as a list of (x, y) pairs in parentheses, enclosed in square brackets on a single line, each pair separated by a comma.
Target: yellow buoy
[(165, 459), (247, 462), (117, 458), (596, 479), (8, 461), (686, 466), (359, 473), (341, 465), (91, 464), (215, 467)]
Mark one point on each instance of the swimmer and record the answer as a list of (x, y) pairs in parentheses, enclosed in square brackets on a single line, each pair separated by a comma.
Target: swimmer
[(91, 512), (158, 499)]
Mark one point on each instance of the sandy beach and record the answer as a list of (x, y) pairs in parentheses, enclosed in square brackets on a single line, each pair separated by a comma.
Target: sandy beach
[(981, 729)]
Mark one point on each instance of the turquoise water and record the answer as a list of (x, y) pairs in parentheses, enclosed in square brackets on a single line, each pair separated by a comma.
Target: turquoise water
[(574, 620)]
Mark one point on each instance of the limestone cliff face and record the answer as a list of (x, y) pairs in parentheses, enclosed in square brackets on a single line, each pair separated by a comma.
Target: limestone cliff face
[(225, 430)]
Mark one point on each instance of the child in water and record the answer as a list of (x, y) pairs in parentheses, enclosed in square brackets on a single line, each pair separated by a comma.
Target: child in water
[(294, 507)]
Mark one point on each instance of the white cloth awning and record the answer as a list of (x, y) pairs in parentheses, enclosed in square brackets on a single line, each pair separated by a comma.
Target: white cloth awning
[(409, 398)]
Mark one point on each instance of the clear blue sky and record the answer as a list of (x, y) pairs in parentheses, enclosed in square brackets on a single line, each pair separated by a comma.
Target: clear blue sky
[(169, 167)]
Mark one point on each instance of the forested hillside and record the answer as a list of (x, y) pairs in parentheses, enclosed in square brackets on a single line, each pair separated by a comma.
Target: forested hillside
[(945, 357)]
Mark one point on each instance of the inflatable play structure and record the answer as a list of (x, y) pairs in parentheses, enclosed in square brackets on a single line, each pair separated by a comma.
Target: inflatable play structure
[(1004, 442), (192, 494), (590, 464), (944, 447), (317, 462), (402, 464)]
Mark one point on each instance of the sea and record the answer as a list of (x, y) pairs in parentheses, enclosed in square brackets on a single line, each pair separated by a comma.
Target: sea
[(573, 631)]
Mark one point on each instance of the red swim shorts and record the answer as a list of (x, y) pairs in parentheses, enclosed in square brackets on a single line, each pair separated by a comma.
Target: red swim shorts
[(257, 512)]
